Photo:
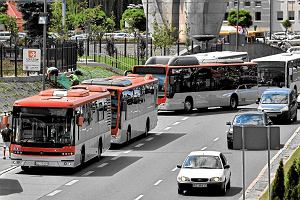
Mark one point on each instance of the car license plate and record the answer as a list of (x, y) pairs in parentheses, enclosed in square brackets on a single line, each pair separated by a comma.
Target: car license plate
[(41, 163), (200, 185)]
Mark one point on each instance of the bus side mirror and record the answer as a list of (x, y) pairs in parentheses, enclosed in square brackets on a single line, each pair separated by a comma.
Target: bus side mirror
[(5, 120), (80, 120)]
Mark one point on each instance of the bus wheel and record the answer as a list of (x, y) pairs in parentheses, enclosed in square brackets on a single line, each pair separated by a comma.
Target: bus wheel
[(99, 150), (147, 128), (25, 168), (128, 135), (233, 102), (188, 105), (82, 156)]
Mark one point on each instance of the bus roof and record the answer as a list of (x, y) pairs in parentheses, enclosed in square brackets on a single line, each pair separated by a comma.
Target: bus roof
[(121, 82), (160, 60), (60, 98), (282, 57)]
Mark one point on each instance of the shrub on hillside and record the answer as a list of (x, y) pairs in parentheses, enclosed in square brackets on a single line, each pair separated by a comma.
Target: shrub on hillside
[(278, 186), (292, 182)]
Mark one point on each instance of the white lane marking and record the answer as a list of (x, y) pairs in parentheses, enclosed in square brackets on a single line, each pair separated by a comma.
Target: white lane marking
[(102, 165), (139, 145), (87, 173), (149, 139), (158, 182), (216, 139), (7, 170), (72, 182), (176, 123), (127, 151), (158, 133), (167, 128), (185, 118), (203, 148), (115, 158), (53, 193), (173, 170), (139, 197)]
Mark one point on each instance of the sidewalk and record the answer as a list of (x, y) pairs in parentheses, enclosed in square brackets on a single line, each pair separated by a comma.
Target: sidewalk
[(260, 184), (4, 164)]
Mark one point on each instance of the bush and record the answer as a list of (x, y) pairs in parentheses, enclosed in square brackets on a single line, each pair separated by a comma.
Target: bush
[(292, 182), (278, 186)]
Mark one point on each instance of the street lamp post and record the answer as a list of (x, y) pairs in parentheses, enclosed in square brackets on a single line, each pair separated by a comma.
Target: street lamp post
[(147, 29), (237, 26), (43, 20)]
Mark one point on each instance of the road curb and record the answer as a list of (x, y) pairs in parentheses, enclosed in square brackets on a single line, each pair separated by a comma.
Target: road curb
[(260, 189)]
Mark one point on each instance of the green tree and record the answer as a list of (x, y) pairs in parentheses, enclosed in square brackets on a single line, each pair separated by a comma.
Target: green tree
[(135, 17), (286, 24), (163, 36), (278, 185), (245, 18), (292, 180)]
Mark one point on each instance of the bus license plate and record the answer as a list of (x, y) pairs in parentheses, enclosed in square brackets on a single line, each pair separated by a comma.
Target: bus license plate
[(200, 185), (41, 163)]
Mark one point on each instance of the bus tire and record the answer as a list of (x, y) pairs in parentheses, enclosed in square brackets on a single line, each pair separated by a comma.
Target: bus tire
[(99, 149), (25, 168), (128, 134), (233, 104), (82, 156), (147, 127), (188, 104)]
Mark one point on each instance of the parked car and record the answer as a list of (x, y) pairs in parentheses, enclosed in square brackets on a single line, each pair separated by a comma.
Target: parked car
[(294, 49), (204, 170), (279, 103), (5, 35), (252, 117), (78, 37)]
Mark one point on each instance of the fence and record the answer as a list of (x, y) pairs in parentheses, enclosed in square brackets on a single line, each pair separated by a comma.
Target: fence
[(62, 55), (123, 54)]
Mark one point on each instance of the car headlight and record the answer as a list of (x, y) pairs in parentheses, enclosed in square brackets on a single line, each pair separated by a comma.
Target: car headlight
[(285, 108), (216, 179), (183, 179)]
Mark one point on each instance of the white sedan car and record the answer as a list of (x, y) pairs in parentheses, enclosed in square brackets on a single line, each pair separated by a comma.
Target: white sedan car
[(204, 170)]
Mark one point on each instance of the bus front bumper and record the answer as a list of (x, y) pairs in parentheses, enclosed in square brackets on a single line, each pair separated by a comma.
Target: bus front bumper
[(33, 162)]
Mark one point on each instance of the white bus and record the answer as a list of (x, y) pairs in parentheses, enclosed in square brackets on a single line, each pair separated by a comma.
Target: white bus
[(279, 70), (61, 128), (227, 84), (134, 108)]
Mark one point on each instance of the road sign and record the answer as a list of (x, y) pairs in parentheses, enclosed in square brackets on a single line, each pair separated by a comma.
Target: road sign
[(31, 59)]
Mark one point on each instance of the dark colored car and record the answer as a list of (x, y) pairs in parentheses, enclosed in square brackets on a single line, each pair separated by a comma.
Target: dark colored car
[(255, 118)]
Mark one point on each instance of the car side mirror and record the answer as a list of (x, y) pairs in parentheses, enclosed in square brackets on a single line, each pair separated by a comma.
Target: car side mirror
[(228, 123), (226, 166), (257, 101), (179, 166), (270, 123)]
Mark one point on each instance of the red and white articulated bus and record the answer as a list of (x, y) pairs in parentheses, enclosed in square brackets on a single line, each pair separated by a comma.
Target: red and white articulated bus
[(133, 105), (61, 128), (185, 85)]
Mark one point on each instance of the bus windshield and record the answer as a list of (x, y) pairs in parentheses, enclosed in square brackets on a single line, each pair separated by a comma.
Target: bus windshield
[(46, 127), (157, 72), (271, 73)]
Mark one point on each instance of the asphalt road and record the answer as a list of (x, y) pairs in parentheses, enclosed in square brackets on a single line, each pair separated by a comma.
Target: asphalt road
[(146, 168)]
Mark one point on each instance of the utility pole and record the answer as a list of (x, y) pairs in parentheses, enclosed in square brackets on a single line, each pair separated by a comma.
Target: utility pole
[(43, 19), (237, 26), (271, 5), (147, 29)]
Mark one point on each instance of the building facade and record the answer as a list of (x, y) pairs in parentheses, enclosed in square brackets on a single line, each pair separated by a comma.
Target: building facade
[(260, 12)]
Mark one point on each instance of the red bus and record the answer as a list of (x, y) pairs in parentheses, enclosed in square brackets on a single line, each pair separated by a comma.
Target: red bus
[(61, 128), (133, 105)]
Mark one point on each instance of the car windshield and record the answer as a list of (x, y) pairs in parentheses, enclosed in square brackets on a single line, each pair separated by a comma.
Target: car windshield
[(249, 119), (277, 98), (202, 162)]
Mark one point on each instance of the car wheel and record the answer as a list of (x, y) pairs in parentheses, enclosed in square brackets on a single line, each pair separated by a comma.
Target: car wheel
[(295, 118), (188, 105), (223, 189), (229, 145), (180, 191), (228, 185), (233, 102)]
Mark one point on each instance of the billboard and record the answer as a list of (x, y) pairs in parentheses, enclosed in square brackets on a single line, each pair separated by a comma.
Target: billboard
[(31, 59)]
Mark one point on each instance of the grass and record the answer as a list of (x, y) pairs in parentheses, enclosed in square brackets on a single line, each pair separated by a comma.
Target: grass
[(94, 72), (286, 168)]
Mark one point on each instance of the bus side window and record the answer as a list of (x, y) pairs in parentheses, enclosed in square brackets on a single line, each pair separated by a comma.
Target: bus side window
[(137, 95), (100, 113)]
